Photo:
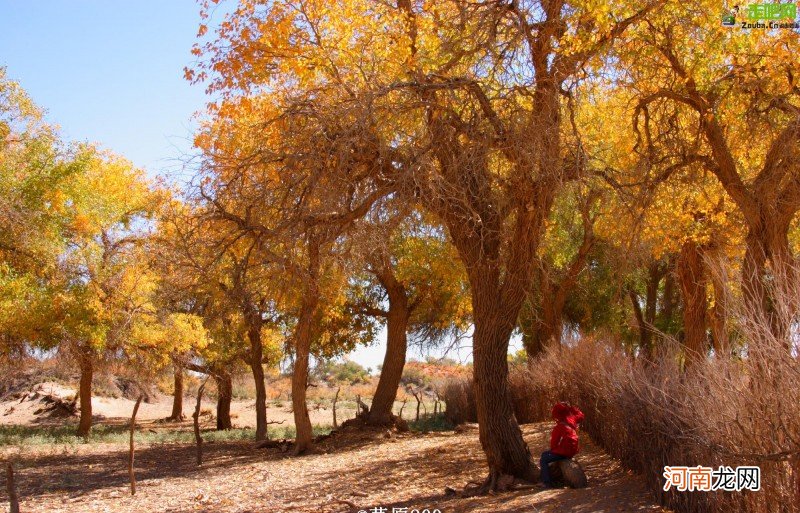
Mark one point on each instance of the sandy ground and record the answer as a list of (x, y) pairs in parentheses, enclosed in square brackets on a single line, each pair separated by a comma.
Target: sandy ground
[(108, 410), (351, 471), (405, 471)]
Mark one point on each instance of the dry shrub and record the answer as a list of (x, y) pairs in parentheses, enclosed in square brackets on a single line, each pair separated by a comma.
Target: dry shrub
[(243, 386), (718, 411), (319, 393), (364, 390), (531, 401), (459, 399), (279, 388), (531, 397)]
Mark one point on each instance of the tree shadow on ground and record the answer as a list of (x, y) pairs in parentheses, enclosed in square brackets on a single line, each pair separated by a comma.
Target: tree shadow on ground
[(419, 480), (70, 473), (66, 469), (362, 469)]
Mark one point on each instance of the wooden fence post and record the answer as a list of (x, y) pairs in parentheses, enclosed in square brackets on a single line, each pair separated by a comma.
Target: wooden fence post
[(130, 455), (196, 416), (11, 487)]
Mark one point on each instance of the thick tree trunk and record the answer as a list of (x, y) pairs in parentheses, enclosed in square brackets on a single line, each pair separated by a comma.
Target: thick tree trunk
[(640, 324), (552, 326), (548, 328), (395, 358), (256, 357), (302, 421), (768, 205), (302, 339), (770, 292), (500, 435), (718, 315), (177, 395), (655, 273), (85, 394), (546, 331), (669, 302), (645, 318), (530, 326), (754, 270), (691, 275), (492, 244), (496, 305), (533, 344), (545, 327), (224, 396)]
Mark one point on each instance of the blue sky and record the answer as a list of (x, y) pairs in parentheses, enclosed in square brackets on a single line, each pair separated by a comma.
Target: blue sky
[(111, 72)]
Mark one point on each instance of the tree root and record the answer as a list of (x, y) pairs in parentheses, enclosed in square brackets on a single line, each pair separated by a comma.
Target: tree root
[(363, 422), (494, 483), (283, 445), (347, 503)]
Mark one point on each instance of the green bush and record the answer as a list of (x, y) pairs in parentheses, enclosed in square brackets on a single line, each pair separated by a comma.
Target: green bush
[(414, 376), (348, 372), (428, 423)]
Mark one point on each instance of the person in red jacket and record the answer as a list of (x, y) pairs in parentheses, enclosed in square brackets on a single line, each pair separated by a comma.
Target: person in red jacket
[(563, 439)]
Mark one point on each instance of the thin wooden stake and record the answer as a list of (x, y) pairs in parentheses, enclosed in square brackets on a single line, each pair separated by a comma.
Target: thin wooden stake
[(266, 415), (196, 416), (130, 455), (362, 410), (11, 487), (335, 398)]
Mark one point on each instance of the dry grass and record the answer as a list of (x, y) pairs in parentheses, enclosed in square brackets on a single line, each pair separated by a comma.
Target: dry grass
[(528, 400), (459, 401), (719, 411)]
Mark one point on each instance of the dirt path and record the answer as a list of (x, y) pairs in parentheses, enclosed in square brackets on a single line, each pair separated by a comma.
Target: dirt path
[(409, 470)]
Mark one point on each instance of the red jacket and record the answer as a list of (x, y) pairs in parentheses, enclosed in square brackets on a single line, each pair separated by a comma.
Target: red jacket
[(564, 439)]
